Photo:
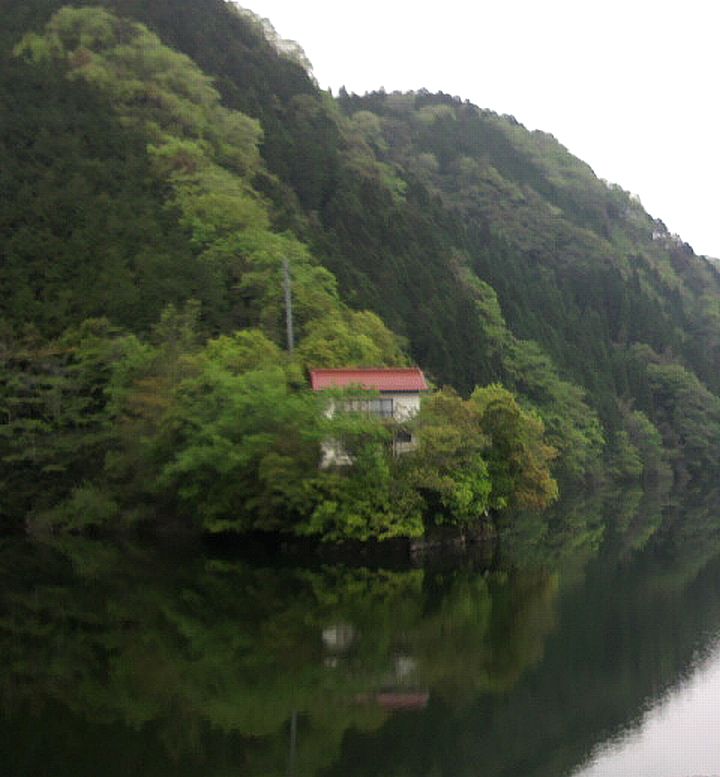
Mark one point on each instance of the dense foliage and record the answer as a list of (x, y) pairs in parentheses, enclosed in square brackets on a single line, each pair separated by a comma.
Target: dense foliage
[(161, 162)]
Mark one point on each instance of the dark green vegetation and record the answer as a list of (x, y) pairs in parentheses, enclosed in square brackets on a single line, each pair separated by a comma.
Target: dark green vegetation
[(160, 161), (120, 658)]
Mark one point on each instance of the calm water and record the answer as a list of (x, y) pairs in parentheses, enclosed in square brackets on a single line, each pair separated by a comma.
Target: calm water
[(585, 645)]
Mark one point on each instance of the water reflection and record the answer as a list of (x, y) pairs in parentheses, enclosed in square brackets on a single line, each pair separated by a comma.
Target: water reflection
[(185, 651), (679, 736), (122, 658)]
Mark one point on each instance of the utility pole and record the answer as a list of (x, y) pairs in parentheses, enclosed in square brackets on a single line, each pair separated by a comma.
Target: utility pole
[(292, 757), (287, 283)]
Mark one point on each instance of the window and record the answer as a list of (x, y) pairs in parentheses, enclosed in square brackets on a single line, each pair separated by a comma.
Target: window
[(380, 406)]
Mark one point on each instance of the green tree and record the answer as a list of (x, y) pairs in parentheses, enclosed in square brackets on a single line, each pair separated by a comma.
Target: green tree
[(235, 449), (449, 468), (57, 417), (519, 458)]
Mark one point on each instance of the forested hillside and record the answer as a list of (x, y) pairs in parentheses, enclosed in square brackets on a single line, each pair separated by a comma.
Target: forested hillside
[(161, 159)]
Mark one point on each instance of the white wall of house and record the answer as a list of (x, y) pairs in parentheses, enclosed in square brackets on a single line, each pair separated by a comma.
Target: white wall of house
[(405, 406)]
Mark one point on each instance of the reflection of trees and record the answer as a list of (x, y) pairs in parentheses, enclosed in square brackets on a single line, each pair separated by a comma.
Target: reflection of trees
[(126, 639), (485, 633), (198, 664), (572, 531), (627, 630)]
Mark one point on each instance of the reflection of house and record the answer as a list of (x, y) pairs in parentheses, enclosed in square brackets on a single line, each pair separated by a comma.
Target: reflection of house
[(402, 700), (339, 637), (395, 700), (396, 396), (400, 690)]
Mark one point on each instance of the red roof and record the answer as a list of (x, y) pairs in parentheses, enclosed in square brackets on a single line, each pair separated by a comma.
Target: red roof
[(374, 379)]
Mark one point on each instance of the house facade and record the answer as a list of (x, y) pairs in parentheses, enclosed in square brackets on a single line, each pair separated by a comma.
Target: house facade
[(396, 395)]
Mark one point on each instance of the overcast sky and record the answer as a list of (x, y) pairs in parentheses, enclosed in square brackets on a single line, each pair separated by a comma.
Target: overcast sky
[(628, 86)]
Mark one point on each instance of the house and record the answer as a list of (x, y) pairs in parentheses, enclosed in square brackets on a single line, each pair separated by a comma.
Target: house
[(396, 396)]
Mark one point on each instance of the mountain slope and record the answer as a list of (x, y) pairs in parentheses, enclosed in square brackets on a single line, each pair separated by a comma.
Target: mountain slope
[(496, 254)]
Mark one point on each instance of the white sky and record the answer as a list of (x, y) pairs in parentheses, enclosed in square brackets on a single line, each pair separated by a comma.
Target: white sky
[(628, 86)]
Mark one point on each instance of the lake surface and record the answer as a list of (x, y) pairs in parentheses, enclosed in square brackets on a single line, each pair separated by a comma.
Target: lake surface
[(585, 644)]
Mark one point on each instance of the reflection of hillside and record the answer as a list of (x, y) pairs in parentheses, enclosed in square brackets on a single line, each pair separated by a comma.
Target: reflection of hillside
[(570, 533), (627, 630), (135, 640), (129, 655)]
